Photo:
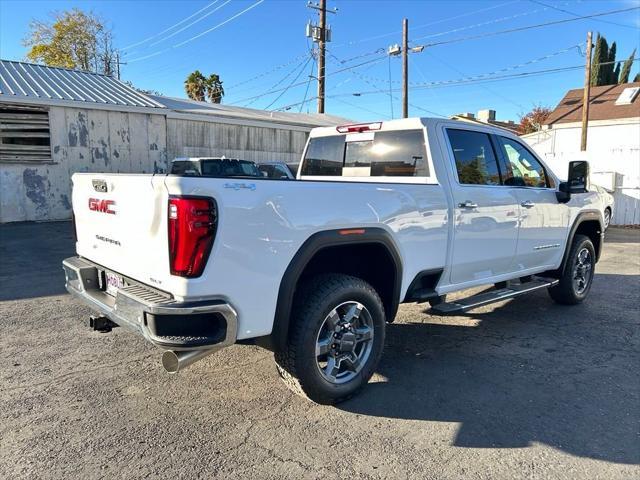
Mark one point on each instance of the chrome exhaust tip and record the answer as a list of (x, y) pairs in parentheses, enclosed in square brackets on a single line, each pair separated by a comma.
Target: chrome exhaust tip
[(173, 362)]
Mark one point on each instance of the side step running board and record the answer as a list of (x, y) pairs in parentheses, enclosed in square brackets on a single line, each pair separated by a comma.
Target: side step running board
[(492, 296)]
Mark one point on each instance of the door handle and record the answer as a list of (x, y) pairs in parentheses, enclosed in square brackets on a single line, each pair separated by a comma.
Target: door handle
[(468, 204), (527, 204)]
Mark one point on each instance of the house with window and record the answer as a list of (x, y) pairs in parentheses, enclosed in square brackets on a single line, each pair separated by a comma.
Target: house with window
[(55, 122), (613, 142)]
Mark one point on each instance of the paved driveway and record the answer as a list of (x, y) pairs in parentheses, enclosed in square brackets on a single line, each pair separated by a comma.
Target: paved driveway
[(521, 389)]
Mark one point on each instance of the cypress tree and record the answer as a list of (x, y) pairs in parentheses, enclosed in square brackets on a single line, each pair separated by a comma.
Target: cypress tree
[(611, 78), (626, 68), (595, 60)]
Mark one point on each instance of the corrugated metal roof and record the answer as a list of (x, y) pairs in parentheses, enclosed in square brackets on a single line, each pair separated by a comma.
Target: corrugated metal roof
[(27, 81), (181, 105)]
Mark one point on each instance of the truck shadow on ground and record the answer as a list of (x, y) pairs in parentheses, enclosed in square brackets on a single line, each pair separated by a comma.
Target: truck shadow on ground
[(31, 257), (530, 371)]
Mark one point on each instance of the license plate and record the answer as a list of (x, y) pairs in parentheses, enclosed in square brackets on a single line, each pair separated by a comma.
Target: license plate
[(113, 283)]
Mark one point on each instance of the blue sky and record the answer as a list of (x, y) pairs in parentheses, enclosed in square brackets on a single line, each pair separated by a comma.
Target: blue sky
[(269, 41)]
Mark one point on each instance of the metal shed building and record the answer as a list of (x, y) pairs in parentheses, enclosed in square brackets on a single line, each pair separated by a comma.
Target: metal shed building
[(55, 122)]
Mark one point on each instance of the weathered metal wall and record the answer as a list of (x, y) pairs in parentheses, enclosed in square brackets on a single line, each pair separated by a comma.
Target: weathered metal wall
[(82, 140), (192, 138)]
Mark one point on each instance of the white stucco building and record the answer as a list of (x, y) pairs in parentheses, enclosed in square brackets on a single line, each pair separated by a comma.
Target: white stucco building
[(613, 142)]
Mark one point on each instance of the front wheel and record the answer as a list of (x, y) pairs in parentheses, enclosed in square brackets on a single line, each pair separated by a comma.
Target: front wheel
[(577, 278), (336, 338), (607, 217)]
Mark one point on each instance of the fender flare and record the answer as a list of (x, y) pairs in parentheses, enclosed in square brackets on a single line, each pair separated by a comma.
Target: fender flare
[(314, 244), (584, 216)]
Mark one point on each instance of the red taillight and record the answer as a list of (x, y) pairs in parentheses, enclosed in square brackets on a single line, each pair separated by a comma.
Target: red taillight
[(359, 127), (192, 228)]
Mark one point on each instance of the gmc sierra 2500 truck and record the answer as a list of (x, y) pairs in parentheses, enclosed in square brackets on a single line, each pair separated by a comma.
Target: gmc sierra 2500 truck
[(381, 213)]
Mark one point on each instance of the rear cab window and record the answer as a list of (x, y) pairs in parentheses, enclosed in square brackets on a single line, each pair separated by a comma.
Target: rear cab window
[(392, 153)]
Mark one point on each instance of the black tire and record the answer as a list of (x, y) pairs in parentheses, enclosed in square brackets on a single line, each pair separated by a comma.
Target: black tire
[(568, 292), (437, 300), (607, 218), (316, 298)]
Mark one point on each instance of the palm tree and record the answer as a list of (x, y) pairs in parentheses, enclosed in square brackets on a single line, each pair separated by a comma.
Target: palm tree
[(195, 86), (215, 91)]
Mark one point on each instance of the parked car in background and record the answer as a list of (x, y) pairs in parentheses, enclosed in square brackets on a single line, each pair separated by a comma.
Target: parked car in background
[(278, 170), (607, 203), (214, 167)]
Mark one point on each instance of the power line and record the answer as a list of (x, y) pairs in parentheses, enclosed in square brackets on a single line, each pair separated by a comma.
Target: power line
[(279, 82), (375, 60), (479, 79), (306, 92), (173, 34), (482, 24), (269, 72), (291, 84), (528, 27), (390, 34), (250, 7), (177, 45), (391, 96), (577, 15), (169, 28)]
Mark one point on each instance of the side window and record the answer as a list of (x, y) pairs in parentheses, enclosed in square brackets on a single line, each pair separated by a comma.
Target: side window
[(524, 170), (324, 156), (475, 160), (399, 153)]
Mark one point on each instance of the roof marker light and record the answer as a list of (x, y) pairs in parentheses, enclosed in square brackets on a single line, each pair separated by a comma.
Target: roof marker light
[(359, 127)]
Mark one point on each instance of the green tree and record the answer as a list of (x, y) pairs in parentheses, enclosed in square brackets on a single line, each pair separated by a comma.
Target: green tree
[(598, 61), (609, 70), (196, 86), (626, 68), (73, 39), (215, 91), (604, 68), (636, 78)]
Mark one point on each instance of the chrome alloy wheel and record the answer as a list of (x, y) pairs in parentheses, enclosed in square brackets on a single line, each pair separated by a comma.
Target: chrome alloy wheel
[(582, 271), (344, 342)]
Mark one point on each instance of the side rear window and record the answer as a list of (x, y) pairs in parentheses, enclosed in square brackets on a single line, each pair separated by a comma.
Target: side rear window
[(399, 153), (475, 159)]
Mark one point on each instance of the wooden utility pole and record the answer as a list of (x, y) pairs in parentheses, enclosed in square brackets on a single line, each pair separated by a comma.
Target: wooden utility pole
[(321, 54), (405, 68), (118, 64), (585, 96)]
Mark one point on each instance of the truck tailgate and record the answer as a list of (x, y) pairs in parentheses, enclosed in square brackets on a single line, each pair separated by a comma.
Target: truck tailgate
[(121, 224)]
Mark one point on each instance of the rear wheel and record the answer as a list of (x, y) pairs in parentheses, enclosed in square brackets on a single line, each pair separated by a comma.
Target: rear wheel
[(577, 278), (336, 338)]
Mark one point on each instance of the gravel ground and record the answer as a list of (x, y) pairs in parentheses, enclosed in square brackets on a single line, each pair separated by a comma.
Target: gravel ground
[(519, 389)]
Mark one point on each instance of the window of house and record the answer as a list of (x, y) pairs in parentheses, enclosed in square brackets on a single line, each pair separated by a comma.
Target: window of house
[(24, 134), (475, 159), (524, 170)]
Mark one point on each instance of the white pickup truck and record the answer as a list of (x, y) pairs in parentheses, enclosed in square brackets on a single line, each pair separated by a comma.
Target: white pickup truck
[(382, 213)]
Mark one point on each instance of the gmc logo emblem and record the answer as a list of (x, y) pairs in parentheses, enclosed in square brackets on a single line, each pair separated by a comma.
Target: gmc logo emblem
[(104, 206)]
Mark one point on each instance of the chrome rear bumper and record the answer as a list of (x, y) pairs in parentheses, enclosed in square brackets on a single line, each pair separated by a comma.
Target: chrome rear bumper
[(154, 314)]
